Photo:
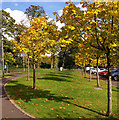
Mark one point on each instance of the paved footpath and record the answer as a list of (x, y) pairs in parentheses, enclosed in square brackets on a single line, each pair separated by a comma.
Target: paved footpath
[(9, 110)]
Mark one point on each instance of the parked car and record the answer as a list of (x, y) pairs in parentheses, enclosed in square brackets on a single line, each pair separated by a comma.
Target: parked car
[(115, 74), (94, 70), (88, 69), (102, 69), (103, 73)]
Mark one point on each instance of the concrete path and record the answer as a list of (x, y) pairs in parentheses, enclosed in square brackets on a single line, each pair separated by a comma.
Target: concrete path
[(9, 110)]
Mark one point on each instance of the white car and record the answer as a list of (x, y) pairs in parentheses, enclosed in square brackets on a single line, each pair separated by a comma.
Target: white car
[(88, 68), (102, 69), (94, 70)]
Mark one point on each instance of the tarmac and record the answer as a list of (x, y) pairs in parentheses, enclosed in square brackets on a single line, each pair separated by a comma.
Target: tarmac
[(10, 111)]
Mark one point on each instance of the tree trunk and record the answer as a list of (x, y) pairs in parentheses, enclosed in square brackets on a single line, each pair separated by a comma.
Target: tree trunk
[(82, 71), (51, 61), (98, 85), (85, 70), (90, 74), (28, 69), (7, 68), (34, 77), (63, 63), (23, 63), (109, 108), (56, 60), (109, 92), (38, 67), (63, 60)]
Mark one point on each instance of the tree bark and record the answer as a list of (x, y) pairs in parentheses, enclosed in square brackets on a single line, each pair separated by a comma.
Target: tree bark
[(85, 70), (56, 59), (38, 67), (34, 77), (90, 74), (98, 84), (7, 68), (28, 69), (63, 63), (51, 61), (23, 63), (109, 108), (109, 92), (82, 71), (63, 60)]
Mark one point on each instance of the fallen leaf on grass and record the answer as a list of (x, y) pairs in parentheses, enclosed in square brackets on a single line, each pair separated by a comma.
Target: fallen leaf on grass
[(60, 107), (52, 108), (115, 113), (60, 90), (19, 102)]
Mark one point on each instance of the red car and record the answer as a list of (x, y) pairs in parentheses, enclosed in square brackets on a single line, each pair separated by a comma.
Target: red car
[(103, 73)]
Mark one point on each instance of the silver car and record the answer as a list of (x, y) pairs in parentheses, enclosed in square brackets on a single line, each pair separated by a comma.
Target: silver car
[(115, 74)]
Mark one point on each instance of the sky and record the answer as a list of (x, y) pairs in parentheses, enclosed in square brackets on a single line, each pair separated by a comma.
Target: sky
[(49, 7), (16, 8)]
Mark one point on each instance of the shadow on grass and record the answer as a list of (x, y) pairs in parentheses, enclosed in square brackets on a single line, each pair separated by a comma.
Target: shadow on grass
[(64, 73), (54, 78), (6, 75), (59, 75), (26, 93), (115, 90)]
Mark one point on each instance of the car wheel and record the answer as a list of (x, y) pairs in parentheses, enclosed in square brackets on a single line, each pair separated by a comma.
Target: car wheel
[(115, 78)]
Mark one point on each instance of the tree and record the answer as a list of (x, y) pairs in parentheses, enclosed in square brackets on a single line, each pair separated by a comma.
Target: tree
[(7, 28), (35, 12), (102, 34), (98, 27), (52, 42), (33, 41), (9, 59), (84, 57), (69, 36), (7, 24)]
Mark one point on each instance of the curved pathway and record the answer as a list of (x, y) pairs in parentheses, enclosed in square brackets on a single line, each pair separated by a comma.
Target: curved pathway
[(11, 111)]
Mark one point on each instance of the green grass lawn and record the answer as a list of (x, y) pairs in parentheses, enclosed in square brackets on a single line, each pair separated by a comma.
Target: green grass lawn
[(62, 94)]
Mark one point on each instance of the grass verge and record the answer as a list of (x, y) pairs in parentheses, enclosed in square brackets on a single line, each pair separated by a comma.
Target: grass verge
[(62, 94)]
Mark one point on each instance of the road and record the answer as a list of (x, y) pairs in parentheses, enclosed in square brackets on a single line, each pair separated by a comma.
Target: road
[(115, 83)]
